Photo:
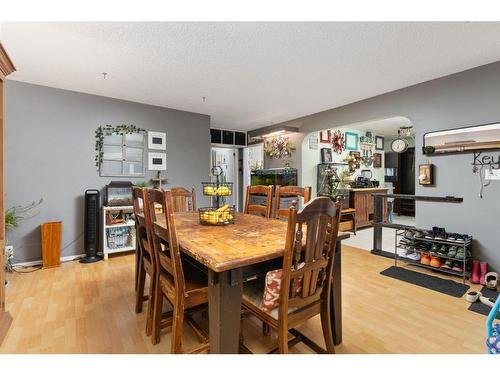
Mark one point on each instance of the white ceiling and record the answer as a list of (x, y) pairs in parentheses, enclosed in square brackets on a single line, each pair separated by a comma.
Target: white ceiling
[(252, 74)]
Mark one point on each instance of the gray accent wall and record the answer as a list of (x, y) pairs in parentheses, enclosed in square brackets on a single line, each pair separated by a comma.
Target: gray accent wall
[(50, 154), (468, 98)]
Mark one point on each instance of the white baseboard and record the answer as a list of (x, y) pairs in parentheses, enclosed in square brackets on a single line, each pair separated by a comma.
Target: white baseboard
[(68, 258)]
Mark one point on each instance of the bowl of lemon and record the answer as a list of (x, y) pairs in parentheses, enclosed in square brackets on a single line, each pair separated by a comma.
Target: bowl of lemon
[(216, 216)]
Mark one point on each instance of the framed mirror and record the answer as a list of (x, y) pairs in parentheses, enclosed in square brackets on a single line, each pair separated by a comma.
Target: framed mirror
[(471, 138)]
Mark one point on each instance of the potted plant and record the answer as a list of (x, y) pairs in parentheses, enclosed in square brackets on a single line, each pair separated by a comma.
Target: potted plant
[(14, 216)]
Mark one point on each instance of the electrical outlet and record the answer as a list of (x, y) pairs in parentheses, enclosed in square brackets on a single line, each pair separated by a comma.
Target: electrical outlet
[(492, 174)]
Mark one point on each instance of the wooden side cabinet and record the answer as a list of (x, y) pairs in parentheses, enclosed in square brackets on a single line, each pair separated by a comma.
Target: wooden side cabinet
[(362, 201)]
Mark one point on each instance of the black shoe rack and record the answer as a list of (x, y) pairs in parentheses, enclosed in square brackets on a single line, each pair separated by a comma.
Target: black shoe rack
[(466, 247)]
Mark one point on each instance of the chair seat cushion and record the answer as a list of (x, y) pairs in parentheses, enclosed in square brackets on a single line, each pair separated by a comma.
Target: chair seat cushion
[(253, 293)]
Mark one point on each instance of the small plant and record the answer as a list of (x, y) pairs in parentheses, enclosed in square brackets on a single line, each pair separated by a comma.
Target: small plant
[(142, 184), (15, 215)]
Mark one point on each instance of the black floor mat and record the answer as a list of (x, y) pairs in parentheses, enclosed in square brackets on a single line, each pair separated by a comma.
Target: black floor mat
[(481, 308), (449, 287)]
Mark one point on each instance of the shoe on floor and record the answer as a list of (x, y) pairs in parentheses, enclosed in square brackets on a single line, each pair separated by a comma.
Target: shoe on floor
[(487, 301), (472, 296)]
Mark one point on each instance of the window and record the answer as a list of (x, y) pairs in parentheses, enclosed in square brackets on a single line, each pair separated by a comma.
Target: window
[(123, 155)]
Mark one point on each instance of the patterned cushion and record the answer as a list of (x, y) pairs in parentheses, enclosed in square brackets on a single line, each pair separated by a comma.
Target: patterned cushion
[(270, 300), (253, 293), (493, 342)]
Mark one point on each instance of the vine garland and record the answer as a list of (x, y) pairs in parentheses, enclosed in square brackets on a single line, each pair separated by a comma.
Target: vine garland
[(106, 130)]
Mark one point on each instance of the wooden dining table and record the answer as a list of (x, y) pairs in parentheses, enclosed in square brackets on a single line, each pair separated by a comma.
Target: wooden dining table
[(227, 251)]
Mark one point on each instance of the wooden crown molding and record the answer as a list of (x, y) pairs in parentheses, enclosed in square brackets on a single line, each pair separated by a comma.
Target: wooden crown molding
[(6, 65)]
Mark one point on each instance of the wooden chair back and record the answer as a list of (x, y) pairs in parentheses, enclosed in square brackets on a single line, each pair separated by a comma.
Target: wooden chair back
[(139, 198), (183, 199), (266, 191), (308, 259), (289, 191), (164, 238)]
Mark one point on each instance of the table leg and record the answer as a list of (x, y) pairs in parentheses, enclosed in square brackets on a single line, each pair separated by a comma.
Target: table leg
[(336, 297), (224, 307)]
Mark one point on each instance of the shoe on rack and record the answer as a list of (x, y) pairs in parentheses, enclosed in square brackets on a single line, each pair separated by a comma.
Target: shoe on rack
[(440, 234), (434, 249), (402, 253), (414, 256), (443, 250), (409, 234), (425, 259), (460, 254), (452, 236), (419, 234), (430, 234), (436, 262), (452, 252), (457, 266), (448, 263), (474, 277)]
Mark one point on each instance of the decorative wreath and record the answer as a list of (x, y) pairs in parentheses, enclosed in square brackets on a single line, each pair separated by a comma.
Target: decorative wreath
[(338, 142)]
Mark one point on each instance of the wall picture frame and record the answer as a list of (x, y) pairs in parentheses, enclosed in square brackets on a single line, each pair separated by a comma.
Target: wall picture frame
[(379, 143), (351, 141), (326, 155), (426, 174), (377, 160), (157, 161), (325, 136), (313, 142), (157, 141)]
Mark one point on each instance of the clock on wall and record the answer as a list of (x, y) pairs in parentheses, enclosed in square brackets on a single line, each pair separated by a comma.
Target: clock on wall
[(399, 145)]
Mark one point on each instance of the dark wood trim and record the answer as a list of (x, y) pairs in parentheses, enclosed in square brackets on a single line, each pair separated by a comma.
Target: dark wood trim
[(423, 198)]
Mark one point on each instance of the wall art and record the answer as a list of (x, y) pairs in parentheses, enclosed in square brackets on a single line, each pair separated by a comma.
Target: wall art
[(157, 141)]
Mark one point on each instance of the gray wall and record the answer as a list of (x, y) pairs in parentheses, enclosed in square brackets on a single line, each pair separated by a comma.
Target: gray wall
[(50, 155), (467, 98)]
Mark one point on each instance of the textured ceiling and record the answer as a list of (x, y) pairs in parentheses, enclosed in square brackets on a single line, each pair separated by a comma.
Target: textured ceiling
[(252, 74)]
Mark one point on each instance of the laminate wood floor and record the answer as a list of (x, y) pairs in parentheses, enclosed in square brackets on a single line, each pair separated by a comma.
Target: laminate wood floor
[(89, 308)]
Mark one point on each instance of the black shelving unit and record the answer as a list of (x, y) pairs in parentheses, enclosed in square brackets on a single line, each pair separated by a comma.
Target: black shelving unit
[(466, 246)]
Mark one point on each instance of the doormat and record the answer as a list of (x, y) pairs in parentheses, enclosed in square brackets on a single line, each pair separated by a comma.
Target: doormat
[(449, 287), (481, 308)]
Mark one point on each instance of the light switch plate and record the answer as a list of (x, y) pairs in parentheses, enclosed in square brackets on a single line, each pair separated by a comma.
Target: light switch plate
[(492, 174)]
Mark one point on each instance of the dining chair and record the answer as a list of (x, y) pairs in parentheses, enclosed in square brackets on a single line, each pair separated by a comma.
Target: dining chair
[(289, 191), (264, 210), (183, 286), (144, 256), (183, 199), (305, 278)]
